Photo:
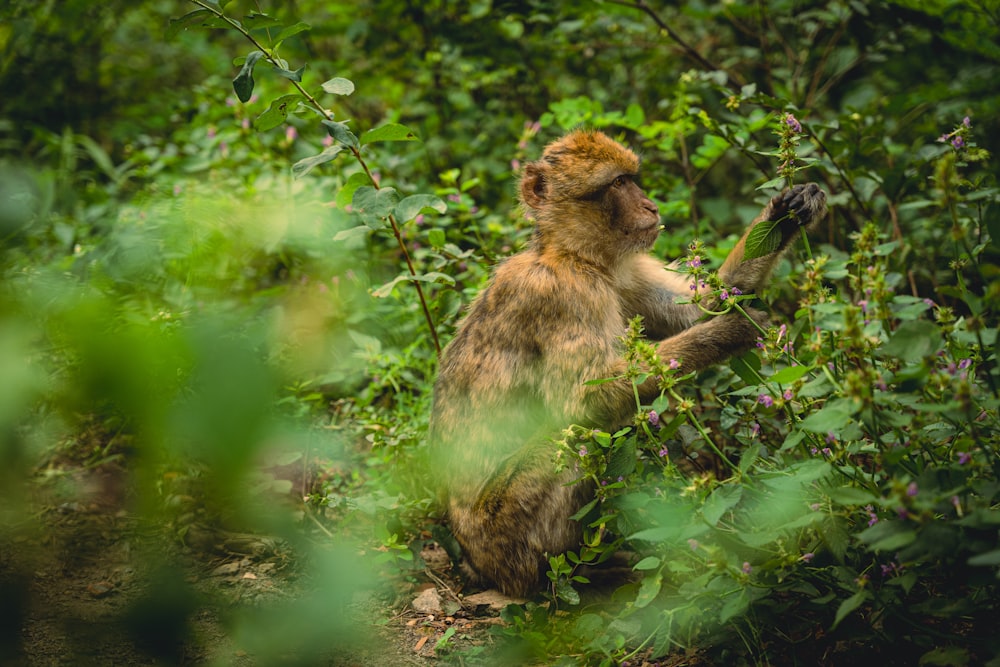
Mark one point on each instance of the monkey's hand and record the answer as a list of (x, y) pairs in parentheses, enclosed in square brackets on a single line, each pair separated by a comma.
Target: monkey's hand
[(798, 206)]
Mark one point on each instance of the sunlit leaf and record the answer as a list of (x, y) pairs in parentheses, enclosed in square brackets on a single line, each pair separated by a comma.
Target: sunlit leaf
[(409, 207), (648, 590), (341, 133), (276, 113), (339, 86), (305, 165), (291, 31), (289, 74), (390, 132)]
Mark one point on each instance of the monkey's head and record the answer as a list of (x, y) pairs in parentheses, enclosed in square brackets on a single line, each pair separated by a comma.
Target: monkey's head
[(585, 198)]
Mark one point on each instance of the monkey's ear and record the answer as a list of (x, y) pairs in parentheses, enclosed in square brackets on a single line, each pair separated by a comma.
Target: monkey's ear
[(534, 186)]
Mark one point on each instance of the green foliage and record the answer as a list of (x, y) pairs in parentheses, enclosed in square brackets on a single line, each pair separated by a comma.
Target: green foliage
[(215, 274)]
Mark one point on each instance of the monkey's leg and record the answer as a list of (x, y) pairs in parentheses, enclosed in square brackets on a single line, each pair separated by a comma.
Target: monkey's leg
[(520, 517)]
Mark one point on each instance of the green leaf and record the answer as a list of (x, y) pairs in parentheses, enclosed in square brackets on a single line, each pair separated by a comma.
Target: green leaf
[(830, 419), (945, 656), (789, 374), (763, 239), (887, 536), (353, 232), (847, 606), (647, 563), (622, 461), (243, 83), (339, 86), (289, 74), (390, 132), (346, 195), (913, 341), (648, 591), (583, 511), (411, 206), (722, 500), (291, 31), (736, 605), (183, 23), (276, 113), (566, 593), (747, 367), (436, 237), (258, 21), (305, 165), (773, 184), (988, 558), (851, 496), (374, 206), (432, 277), (341, 133)]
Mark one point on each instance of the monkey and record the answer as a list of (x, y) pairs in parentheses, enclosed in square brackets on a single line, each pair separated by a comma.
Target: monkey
[(552, 317)]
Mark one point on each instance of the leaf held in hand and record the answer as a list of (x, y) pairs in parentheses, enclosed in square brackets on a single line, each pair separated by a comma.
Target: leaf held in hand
[(762, 240)]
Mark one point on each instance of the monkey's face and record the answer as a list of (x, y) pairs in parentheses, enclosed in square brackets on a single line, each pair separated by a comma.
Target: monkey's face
[(629, 213), (585, 198)]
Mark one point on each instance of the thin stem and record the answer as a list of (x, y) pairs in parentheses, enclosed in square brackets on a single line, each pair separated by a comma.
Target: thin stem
[(688, 50)]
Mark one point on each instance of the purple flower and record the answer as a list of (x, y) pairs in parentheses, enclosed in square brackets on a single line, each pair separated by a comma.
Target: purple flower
[(958, 142), (724, 295), (674, 364), (583, 450), (964, 363), (754, 430), (737, 291), (967, 122), (872, 517), (663, 453), (693, 543), (694, 262), (793, 123), (830, 437), (746, 567), (806, 558), (654, 418), (787, 395), (765, 400), (963, 458), (912, 489)]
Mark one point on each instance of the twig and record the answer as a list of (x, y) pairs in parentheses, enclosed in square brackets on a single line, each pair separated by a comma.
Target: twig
[(356, 151), (689, 50)]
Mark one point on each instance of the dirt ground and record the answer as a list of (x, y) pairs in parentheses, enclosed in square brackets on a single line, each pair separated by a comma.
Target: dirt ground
[(85, 582)]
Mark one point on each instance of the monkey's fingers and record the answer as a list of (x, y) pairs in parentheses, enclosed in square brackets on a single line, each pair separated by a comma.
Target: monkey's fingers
[(805, 203)]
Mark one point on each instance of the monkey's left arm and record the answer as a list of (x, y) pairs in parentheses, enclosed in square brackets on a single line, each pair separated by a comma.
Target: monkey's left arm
[(653, 291)]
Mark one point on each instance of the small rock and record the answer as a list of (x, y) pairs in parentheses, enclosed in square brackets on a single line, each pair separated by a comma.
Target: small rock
[(493, 599), (428, 602)]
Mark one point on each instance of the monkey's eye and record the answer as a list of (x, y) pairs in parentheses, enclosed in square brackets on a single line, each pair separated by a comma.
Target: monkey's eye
[(619, 182)]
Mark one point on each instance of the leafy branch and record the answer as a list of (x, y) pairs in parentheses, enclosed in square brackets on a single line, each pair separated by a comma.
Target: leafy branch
[(373, 202)]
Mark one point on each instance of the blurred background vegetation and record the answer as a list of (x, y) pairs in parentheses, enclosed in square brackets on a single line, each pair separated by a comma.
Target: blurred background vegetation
[(199, 347)]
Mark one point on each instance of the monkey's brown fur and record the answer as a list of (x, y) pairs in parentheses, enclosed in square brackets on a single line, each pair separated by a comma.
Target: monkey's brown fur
[(550, 319)]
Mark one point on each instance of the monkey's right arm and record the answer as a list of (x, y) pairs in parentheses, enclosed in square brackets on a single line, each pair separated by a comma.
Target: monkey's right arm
[(800, 206)]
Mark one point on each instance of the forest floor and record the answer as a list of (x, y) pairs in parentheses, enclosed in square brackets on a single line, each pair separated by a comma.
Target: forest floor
[(75, 579)]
